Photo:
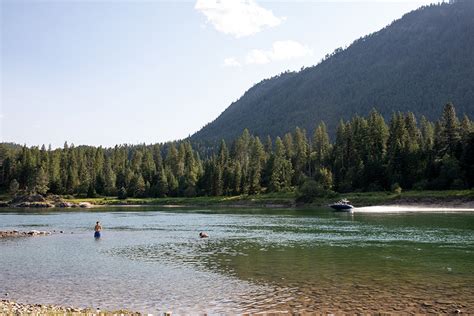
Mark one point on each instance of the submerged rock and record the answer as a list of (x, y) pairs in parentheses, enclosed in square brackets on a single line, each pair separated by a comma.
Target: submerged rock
[(34, 204), (15, 233), (64, 204), (37, 232)]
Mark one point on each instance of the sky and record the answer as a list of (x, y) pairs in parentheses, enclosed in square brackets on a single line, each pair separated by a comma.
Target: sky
[(112, 72)]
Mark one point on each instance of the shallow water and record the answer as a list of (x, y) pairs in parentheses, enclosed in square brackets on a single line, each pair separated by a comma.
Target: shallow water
[(151, 260)]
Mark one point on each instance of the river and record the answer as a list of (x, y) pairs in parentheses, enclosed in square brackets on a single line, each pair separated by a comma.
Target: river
[(151, 260)]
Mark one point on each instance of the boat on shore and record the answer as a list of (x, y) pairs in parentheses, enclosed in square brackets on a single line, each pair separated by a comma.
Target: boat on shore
[(342, 205)]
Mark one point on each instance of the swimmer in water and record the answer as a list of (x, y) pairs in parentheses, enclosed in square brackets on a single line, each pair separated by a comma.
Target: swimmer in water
[(97, 229)]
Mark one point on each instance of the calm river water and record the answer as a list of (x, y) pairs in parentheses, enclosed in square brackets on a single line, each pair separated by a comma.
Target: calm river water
[(151, 260)]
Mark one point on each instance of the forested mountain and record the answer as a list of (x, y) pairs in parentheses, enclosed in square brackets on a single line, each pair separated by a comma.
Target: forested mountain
[(418, 63)]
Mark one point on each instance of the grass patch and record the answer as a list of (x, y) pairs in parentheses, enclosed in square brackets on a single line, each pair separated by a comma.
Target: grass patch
[(286, 198), (5, 197)]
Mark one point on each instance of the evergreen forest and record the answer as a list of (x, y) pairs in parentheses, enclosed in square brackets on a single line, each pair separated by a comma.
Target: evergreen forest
[(368, 154)]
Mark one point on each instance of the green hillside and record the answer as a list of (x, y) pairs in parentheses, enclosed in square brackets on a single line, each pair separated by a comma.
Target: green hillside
[(418, 63)]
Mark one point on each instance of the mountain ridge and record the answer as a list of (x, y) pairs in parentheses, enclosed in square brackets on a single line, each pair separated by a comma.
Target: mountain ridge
[(417, 63)]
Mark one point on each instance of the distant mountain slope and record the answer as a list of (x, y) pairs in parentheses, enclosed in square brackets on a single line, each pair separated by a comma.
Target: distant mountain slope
[(418, 63)]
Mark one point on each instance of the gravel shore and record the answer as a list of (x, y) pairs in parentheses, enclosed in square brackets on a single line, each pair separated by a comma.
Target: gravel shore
[(8, 307)]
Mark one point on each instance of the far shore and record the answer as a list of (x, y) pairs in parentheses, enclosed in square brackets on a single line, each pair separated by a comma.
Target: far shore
[(452, 199), (414, 207)]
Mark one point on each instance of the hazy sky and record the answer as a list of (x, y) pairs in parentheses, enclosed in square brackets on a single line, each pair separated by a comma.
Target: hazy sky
[(110, 72)]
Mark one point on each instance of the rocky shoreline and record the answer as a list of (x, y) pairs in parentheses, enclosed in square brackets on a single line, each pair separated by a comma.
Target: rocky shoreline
[(38, 201), (16, 233), (8, 307)]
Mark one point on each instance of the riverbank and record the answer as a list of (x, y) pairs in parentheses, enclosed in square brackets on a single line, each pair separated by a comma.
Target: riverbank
[(8, 307), (452, 198)]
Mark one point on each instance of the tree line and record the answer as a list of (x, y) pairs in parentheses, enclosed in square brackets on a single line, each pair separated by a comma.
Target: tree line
[(367, 155)]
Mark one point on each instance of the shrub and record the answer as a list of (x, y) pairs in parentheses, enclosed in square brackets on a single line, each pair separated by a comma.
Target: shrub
[(310, 190), (190, 191), (420, 185), (396, 188), (91, 192), (374, 187), (122, 194), (458, 184), (14, 187)]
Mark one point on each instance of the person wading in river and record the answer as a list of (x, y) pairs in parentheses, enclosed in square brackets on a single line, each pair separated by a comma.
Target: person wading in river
[(97, 229)]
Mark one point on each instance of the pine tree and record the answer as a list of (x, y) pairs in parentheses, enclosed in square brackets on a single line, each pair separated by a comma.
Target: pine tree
[(324, 178), (41, 182), (241, 151), (157, 158), (148, 167), (374, 178), (136, 162), (109, 178), (14, 187), (172, 183), (181, 160), (223, 154), (340, 160), (300, 158), (257, 158), (122, 193), (358, 151), (217, 182), (191, 167), (467, 159), (321, 151), (450, 131), (137, 186), (172, 160), (237, 185), (397, 148), (427, 134), (268, 147), (160, 187), (466, 128), (282, 171), (54, 171), (84, 176)]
